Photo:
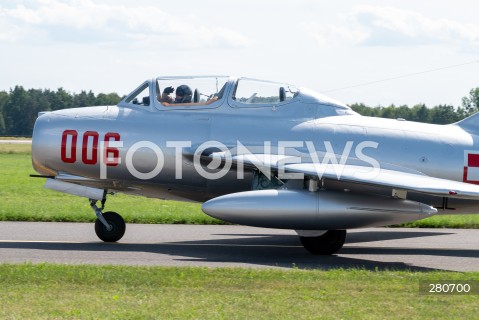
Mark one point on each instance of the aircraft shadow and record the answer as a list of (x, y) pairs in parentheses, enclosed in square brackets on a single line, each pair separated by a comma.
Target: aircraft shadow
[(365, 236), (269, 251)]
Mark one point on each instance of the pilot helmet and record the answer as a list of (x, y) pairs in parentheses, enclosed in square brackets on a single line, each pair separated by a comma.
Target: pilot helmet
[(183, 94)]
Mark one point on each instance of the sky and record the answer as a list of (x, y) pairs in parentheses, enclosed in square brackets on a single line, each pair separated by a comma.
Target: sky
[(344, 49)]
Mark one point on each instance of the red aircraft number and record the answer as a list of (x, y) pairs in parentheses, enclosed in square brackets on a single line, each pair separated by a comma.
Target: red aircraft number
[(89, 142)]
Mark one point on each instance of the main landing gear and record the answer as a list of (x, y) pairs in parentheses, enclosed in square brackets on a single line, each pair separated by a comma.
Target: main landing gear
[(322, 242), (109, 226)]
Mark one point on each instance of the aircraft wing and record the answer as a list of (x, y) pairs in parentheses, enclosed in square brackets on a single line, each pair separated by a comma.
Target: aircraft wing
[(392, 176)]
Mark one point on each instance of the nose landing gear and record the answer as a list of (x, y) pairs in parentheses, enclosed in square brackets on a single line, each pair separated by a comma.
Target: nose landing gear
[(109, 226)]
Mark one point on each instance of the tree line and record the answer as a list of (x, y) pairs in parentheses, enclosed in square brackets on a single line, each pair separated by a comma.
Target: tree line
[(440, 114), (19, 108)]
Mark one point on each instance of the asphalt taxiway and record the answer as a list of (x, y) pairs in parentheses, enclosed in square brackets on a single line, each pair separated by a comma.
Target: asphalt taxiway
[(238, 246)]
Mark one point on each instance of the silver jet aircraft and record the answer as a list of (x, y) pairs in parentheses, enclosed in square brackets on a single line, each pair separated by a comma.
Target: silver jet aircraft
[(259, 153)]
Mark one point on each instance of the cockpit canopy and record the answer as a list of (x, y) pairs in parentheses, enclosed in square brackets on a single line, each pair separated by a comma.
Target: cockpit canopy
[(252, 91), (201, 92), (191, 89), (201, 89)]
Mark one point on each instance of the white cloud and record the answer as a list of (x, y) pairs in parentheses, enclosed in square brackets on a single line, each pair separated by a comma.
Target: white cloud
[(386, 26), (90, 22), (329, 34), (390, 26)]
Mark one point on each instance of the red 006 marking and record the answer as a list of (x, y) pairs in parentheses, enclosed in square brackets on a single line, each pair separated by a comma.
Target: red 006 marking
[(72, 147), (111, 151), (89, 147), (94, 149)]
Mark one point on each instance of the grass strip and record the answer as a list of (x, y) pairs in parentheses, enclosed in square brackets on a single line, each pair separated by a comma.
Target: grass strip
[(49, 291), (15, 138), (15, 149)]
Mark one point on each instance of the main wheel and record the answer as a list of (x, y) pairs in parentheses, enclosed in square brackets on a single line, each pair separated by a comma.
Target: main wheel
[(329, 243), (117, 227)]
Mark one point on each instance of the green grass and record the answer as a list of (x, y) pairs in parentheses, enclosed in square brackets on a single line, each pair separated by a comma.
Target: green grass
[(24, 199), (15, 149), (108, 292), (465, 221)]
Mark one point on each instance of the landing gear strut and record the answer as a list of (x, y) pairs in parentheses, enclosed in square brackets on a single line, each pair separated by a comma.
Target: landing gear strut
[(109, 226), (327, 243)]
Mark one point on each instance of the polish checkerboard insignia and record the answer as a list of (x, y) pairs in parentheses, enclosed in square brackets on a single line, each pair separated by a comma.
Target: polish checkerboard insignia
[(471, 166)]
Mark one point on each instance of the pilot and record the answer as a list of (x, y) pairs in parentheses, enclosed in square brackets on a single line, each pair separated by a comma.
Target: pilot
[(183, 95)]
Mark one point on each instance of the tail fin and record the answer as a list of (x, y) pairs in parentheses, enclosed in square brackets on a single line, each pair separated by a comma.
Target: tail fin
[(470, 124)]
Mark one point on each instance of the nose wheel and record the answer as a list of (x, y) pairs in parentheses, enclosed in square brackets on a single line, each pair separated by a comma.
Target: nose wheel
[(109, 226), (114, 231)]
